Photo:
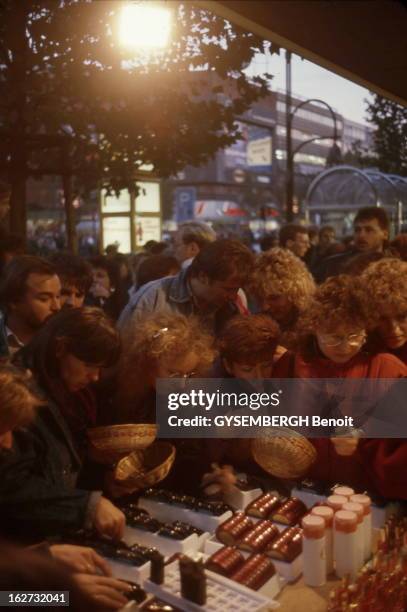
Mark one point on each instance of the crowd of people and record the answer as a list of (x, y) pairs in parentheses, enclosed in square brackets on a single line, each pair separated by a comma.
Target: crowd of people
[(83, 343)]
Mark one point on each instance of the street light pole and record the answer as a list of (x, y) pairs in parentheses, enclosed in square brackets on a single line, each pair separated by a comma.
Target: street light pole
[(289, 204), (290, 154)]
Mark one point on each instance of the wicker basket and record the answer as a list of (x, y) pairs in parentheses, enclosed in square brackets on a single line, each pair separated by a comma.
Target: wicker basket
[(145, 468), (110, 444), (284, 453)]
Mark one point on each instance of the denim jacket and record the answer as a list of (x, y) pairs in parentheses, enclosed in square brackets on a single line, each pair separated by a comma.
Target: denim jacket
[(170, 294)]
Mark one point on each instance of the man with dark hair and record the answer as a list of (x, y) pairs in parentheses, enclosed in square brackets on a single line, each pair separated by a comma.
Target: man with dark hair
[(207, 288), (75, 275), (30, 292), (295, 238), (370, 234)]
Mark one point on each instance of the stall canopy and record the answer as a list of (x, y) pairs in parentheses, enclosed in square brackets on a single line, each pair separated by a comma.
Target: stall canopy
[(364, 41)]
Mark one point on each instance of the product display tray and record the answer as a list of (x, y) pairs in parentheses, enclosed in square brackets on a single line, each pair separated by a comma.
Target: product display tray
[(223, 595), (288, 571), (168, 513), (166, 546)]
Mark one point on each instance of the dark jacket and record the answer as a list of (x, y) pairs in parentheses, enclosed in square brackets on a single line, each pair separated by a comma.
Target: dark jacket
[(333, 265), (37, 480), (4, 351)]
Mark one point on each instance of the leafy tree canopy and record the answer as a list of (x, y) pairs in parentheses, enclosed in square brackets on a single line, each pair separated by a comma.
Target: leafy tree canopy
[(390, 138), (64, 72)]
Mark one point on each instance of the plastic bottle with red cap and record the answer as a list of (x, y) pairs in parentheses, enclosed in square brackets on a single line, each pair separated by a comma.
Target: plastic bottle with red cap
[(313, 550), (360, 532), (327, 514), (345, 544), (336, 501), (366, 503)]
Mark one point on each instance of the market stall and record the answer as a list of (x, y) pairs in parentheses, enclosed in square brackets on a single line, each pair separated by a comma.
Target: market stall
[(256, 548)]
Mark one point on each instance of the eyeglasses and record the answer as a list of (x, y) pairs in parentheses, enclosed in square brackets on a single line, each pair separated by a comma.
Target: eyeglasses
[(335, 340), (180, 375)]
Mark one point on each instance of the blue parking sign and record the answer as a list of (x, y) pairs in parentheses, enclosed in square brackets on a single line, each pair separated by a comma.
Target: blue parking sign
[(184, 198)]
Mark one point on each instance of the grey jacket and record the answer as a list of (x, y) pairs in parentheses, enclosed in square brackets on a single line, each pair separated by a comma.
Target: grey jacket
[(170, 294)]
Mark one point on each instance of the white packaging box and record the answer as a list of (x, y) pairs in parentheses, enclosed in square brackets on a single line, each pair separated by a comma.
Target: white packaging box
[(240, 499), (130, 572)]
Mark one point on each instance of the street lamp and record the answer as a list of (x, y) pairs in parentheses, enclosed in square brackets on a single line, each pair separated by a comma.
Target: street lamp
[(145, 25), (334, 155)]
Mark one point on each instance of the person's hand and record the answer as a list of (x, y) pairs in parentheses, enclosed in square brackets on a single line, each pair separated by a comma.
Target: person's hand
[(345, 446), (115, 488), (102, 592), (80, 559), (221, 480), (109, 520)]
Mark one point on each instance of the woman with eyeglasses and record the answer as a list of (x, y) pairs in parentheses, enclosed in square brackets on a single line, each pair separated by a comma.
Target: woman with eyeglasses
[(385, 297), (333, 333)]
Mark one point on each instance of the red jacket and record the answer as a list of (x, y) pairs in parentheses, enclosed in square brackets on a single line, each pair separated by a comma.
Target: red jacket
[(378, 466), (362, 365)]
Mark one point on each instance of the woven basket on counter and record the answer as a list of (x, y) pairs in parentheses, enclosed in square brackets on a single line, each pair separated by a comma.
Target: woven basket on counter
[(145, 468), (110, 444), (283, 453)]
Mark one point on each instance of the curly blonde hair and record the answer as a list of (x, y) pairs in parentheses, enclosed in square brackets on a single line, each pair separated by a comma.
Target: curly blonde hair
[(155, 338), (278, 271), (384, 289), (336, 303), (18, 403)]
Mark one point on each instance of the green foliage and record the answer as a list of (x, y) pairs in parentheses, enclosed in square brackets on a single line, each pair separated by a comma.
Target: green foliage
[(390, 138), (64, 73)]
